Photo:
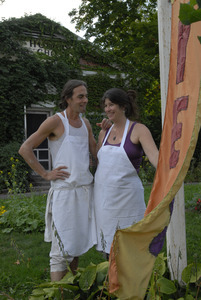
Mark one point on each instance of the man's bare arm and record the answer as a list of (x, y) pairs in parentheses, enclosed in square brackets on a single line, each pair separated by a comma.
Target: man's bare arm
[(26, 150)]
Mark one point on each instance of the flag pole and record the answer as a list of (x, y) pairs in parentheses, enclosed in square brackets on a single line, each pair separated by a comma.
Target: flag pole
[(176, 233)]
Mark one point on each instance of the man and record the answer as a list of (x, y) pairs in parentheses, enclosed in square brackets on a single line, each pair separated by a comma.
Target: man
[(70, 224)]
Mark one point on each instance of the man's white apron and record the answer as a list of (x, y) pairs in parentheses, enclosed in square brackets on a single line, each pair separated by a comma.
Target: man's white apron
[(118, 192), (69, 203)]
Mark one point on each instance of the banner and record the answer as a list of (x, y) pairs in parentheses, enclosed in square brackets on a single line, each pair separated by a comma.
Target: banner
[(135, 248)]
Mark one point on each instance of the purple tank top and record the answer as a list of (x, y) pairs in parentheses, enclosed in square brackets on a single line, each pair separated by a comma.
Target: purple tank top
[(133, 151)]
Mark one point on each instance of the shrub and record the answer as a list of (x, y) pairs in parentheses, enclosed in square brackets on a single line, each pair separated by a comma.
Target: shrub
[(194, 172), (15, 173), (147, 171)]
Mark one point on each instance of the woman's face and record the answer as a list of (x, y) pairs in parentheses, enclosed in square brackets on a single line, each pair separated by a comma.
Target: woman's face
[(113, 111)]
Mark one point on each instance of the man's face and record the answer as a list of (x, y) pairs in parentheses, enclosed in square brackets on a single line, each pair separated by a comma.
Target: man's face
[(79, 99)]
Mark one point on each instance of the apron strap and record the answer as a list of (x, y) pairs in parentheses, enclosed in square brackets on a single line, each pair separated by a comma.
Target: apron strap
[(84, 125), (125, 133), (66, 123), (107, 135)]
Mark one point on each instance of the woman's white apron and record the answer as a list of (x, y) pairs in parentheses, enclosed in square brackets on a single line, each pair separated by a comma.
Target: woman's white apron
[(69, 204), (118, 193)]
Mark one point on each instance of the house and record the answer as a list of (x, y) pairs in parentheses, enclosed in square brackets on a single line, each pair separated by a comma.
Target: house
[(37, 57)]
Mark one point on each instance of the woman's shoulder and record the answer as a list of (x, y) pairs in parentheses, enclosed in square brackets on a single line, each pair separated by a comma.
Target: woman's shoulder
[(139, 126), (138, 130)]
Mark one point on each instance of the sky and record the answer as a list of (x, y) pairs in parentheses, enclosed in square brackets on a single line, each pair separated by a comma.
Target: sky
[(55, 10)]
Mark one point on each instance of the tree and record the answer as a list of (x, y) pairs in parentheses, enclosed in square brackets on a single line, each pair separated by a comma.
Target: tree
[(128, 31)]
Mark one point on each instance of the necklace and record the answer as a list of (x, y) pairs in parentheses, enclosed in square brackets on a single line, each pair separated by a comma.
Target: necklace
[(114, 138)]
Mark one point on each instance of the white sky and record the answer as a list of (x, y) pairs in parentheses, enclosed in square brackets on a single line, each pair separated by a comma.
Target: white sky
[(56, 10)]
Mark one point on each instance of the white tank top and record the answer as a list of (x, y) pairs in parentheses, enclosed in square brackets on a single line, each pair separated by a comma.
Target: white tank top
[(54, 145)]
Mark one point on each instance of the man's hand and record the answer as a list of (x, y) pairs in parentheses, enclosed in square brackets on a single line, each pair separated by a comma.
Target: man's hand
[(57, 173), (105, 124)]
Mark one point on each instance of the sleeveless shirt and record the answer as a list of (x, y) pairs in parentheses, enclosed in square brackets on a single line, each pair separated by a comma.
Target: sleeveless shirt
[(55, 145), (133, 151)]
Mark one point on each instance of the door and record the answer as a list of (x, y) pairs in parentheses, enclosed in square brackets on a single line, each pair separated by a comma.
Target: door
[(33, 121)]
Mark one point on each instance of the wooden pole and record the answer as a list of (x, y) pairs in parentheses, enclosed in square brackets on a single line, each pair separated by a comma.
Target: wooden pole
[(176, 233)]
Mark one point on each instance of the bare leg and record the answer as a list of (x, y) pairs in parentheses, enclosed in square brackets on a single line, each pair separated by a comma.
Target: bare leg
[(74, 265), (57, 276)]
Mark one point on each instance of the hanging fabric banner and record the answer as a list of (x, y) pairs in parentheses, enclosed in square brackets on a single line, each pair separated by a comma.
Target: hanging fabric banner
[(135, 248)]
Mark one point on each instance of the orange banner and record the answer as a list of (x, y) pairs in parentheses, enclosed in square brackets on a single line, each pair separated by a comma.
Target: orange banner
[(135, 248)]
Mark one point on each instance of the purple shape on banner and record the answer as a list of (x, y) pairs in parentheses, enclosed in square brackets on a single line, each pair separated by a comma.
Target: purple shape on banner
[(157, 243)]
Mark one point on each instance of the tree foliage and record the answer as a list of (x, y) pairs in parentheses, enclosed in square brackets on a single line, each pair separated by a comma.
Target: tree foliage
[(128, 31)]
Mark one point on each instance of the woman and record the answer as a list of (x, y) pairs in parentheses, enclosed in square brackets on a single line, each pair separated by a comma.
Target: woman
[(118, 191)]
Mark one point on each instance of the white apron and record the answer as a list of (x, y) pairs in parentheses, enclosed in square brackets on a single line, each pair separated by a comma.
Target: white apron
[(69, 203), (118, 193)]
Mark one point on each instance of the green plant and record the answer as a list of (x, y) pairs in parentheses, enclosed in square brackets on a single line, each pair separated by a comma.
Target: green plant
[(198, 205), (191, 275), (92, 283), (194, 172), (147, 171), (194, 203), (15, 173), (88, 283), (160, 285), (2, 210), (23, 214), (13, 182)]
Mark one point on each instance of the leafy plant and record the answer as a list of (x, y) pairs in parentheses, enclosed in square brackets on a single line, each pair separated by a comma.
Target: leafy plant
[(147, 171), (88, 283), (2, 210), (198, 205), (14, 175), (14, 183), (23, 214), (160, 285), (92, 283), (194, 203)]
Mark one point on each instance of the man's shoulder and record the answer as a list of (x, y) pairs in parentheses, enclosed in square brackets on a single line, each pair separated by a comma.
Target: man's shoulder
[(54, 119), (52, 122), (86, 121)]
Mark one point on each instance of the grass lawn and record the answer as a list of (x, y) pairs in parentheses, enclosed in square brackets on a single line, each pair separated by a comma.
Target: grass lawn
[(24, 260)]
